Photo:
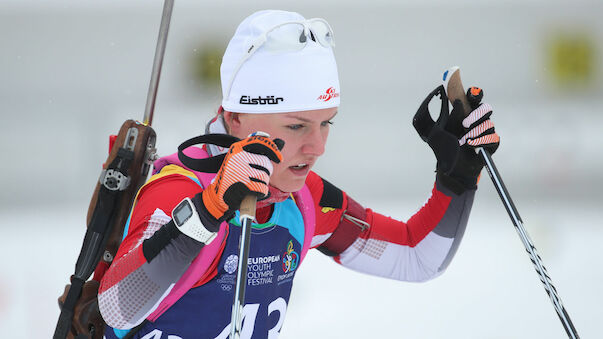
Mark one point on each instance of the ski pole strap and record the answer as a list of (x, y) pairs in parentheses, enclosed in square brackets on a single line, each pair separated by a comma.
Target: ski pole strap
[(206, 165)]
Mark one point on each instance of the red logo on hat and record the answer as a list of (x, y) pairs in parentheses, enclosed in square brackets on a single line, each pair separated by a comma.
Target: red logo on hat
[(329, 94)]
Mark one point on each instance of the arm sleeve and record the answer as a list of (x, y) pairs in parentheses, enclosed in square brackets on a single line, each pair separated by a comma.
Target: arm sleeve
[(152, 257), (416, 250)]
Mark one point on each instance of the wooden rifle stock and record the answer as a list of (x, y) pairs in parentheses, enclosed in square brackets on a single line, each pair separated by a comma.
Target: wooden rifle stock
[(124, 172), (107, 216)]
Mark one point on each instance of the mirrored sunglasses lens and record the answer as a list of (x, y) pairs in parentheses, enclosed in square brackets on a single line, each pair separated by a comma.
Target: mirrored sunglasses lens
[(286, 38)]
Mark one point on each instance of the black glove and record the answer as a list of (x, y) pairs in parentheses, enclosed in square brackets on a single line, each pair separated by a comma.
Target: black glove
[(453, 138)]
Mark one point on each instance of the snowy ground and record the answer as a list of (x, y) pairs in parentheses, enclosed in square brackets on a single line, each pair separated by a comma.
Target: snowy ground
[(489, 291)]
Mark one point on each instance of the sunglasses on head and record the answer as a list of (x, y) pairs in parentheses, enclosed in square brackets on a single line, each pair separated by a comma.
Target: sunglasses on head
[(289, 36)]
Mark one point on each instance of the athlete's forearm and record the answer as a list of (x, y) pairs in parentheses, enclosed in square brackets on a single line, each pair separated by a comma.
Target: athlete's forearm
[(138, 281), (417, 250), (453, 224)]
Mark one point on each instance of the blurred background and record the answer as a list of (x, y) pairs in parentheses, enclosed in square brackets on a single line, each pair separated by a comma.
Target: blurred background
[(72, 72)]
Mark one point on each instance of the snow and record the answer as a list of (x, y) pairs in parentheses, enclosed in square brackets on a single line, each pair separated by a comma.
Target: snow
[(489, 291)]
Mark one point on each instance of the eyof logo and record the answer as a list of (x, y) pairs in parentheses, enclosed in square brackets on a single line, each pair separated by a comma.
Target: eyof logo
[(290, 258)]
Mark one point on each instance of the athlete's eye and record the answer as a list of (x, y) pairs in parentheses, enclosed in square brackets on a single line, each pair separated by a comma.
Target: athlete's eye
[(295, 127), (326, 123)]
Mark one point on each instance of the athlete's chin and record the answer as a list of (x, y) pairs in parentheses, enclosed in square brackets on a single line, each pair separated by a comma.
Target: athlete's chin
[(290, 184)]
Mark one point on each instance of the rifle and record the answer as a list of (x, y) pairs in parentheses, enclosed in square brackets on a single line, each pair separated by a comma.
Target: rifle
[(131, 154)]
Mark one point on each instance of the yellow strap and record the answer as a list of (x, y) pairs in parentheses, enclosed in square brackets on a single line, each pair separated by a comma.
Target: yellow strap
[(169, 170), (165, 171)]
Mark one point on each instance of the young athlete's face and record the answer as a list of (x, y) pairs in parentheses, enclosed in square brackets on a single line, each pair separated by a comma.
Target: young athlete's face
[(305, 134)]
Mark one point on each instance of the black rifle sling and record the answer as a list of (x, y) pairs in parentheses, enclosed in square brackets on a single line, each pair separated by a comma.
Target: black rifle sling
[(95, 240)]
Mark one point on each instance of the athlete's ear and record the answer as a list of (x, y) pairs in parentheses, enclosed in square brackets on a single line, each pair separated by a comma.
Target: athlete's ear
[(233, 122)]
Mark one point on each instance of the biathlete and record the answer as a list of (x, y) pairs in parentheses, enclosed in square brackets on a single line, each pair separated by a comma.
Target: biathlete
[(174, 273)]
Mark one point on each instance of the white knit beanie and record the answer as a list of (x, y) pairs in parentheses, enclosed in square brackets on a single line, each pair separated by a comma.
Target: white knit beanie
[(277, 81)]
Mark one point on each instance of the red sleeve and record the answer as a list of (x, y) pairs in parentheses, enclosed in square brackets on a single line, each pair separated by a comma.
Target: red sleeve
[(363, 240), (337, 233), (416, 229), (164, 193)]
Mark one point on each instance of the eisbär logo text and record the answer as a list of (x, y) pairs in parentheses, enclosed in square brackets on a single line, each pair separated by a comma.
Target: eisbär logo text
[(329, 94), (269, 100)]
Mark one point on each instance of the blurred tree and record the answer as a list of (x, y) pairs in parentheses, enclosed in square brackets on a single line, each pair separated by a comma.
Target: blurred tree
[(205, 63), (572, 59)]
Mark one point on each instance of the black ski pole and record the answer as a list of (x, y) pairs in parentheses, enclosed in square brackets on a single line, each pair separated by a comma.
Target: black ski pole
[(455, 90), (247, 215)]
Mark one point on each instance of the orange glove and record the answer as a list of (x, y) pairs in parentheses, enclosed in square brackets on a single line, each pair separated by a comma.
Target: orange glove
[(246, 170)]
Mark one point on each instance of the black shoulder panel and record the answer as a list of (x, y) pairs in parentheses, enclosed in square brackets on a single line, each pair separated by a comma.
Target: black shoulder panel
[(331, 196)]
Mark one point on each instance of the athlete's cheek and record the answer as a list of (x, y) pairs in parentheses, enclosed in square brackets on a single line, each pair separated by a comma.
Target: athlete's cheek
[(277, 169), (287, 152)]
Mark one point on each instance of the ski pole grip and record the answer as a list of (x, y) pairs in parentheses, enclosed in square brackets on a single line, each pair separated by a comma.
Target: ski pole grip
[(247, 208), (454, 88)]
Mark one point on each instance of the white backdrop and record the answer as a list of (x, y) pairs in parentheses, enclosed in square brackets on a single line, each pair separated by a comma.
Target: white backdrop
[(72, 72)]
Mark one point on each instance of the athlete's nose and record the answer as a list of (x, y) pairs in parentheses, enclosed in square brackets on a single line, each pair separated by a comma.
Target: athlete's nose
[(314, 143)]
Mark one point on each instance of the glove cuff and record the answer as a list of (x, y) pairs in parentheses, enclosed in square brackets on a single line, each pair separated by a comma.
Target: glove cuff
[(455, 184), (210, 202)]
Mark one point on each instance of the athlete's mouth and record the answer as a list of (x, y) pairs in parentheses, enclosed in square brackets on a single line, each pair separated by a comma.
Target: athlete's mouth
[(299, 166)]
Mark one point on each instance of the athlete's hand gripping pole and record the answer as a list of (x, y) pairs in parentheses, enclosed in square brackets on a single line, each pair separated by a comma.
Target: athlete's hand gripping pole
[(243, 176), (455, 91)]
